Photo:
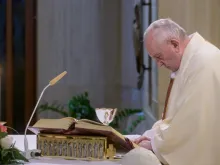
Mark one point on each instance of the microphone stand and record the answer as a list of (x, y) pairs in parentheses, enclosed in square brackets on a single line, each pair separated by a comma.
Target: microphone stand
[(32, 153)]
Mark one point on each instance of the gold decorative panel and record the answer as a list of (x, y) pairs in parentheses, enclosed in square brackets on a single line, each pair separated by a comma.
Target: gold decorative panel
[(72, 147)]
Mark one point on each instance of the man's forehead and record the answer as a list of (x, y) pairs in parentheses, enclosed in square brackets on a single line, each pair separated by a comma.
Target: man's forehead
[(150, 45), (150, 39), (153, 50)]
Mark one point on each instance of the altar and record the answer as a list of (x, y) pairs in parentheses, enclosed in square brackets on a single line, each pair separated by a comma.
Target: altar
[(32, 140)]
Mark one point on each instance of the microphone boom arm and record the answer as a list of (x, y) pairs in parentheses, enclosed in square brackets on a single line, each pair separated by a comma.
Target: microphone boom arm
[(32, 153), (35, 108)]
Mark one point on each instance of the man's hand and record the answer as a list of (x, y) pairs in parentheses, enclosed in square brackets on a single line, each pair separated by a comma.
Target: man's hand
[(140, 139), (146, 144)]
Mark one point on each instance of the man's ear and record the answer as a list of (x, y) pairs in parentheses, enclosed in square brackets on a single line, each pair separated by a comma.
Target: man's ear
[(175, 43)]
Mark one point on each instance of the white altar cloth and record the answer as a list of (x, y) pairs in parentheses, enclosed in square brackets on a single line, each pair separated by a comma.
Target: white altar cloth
[(54, 161), (19, 143)]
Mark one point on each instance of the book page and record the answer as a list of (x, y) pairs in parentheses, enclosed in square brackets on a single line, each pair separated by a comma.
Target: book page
[(88, 124), (90, 121), (63, 123)]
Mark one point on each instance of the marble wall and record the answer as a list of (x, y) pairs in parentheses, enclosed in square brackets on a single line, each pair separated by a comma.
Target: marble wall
[(92, 41)]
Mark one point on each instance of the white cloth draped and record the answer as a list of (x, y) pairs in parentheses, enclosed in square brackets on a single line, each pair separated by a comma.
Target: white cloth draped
[(190, 134), (140, 156)]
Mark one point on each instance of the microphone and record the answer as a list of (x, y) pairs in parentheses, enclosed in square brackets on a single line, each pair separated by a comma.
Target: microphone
[(34, 153), (56, 79)]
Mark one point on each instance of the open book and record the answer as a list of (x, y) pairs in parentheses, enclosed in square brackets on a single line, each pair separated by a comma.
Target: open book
[(71, 126)]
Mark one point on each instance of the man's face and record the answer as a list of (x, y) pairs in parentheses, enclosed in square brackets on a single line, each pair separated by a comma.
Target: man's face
[(166, 54)]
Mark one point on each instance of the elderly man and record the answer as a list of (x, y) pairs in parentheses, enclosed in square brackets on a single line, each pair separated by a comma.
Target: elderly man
[(188, 133)]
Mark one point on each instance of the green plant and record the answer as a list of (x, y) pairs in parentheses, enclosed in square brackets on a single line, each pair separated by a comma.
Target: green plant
[(54, 107), (9, 154), (79, 107)]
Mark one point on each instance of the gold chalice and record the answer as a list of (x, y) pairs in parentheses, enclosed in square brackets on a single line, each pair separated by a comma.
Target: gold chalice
[(106, 115)]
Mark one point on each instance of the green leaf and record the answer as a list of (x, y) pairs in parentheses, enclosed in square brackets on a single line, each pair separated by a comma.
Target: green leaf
[(12, 156), (18, 155), (124, 132), (86, 94), (127, 112), (54, 108), (3, 134), (80, 107), (130, 129)]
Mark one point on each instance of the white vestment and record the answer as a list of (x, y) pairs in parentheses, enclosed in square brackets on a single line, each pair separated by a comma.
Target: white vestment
[(190, 134), (140, 156)]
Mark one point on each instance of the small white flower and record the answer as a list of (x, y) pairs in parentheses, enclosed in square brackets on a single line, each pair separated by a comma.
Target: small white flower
[(6, 142)]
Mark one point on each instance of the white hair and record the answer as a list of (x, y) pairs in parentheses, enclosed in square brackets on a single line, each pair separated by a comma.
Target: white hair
[(166, 29)]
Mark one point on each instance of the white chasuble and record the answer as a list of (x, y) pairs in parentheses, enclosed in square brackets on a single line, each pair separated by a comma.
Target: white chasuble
[(190, 133)]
